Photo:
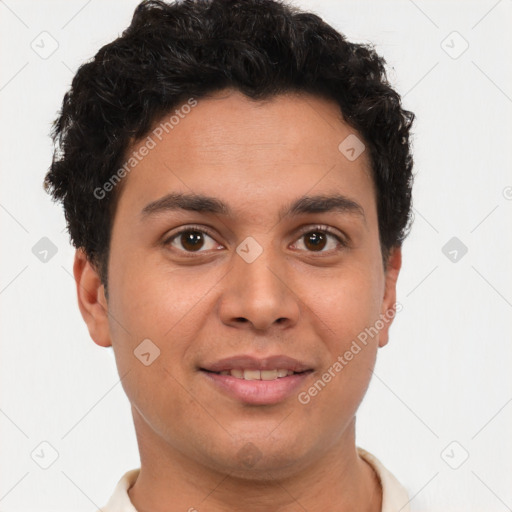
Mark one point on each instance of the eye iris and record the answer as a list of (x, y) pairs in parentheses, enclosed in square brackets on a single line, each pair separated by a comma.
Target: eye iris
[(192, 240), (318, 240)]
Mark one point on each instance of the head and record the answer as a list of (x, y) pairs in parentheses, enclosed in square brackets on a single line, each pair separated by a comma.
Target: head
[(236, 178)]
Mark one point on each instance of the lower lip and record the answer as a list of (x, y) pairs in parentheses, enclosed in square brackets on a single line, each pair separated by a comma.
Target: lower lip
[(258, 392)]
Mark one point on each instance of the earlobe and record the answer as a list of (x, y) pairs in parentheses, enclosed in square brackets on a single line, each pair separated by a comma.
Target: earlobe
[(91, 299), (388, 309)]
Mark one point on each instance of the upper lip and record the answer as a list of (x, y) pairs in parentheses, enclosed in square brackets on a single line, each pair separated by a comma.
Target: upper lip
[(246, 362)]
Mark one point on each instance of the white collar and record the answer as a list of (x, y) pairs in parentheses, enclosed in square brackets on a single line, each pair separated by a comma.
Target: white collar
[(394, 495)]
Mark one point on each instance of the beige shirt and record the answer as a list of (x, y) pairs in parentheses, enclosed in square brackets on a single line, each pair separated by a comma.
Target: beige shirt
[(394, 496)]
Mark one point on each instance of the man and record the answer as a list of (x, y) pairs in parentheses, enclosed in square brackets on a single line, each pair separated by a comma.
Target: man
[(236, 178)]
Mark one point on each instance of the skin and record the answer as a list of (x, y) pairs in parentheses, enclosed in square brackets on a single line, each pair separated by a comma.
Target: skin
[(310, 305)]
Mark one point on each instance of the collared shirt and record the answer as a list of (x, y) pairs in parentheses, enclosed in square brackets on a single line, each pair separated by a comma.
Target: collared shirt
[(394, 495)]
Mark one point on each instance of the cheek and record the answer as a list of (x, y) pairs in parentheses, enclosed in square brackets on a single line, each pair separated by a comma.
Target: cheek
[(348, 303), (151, 295), (151, 303), (168, 306), (348, 306)]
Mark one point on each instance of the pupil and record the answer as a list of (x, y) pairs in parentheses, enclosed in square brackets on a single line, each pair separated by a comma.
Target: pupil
[(317, 239), (192, 240)]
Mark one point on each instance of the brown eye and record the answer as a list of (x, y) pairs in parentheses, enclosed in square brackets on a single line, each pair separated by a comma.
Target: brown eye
[(321, 240), (191, 240), (315, 241)]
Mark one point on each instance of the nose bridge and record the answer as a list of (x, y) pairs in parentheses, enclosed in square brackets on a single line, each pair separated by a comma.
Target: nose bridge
[(256, 275), (256, 291)]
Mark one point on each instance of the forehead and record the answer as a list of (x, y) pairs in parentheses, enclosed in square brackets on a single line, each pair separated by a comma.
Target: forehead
[(240, 150), (307, 126)]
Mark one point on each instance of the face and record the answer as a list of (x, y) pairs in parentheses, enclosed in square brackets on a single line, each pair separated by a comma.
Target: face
[(273, 276)]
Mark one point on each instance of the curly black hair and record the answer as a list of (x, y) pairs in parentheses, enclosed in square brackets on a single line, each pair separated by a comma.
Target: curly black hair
[(191, 48)]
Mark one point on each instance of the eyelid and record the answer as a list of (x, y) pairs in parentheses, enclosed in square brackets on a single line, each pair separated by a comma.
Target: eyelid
[(326, 229), (189, 227), (342, 239)]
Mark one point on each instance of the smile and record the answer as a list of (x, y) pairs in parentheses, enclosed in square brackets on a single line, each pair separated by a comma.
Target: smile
[(249, 374), (255, 387)]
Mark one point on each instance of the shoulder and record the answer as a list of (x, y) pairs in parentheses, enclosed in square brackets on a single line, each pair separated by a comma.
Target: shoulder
[(120, 500), (394, 495)]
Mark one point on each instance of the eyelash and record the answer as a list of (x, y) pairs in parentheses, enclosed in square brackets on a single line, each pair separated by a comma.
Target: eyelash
[(309, 229)]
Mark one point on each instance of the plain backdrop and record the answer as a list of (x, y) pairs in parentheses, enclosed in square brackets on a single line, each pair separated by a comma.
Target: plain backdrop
[(438, 412)]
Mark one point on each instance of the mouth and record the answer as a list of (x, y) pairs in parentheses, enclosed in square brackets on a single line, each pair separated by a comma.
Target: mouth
[(256, 381), (248, 374)]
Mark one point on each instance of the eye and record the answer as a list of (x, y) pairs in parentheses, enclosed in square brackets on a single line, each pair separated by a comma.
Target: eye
[(191, 239), (318, 238), (195, 239)]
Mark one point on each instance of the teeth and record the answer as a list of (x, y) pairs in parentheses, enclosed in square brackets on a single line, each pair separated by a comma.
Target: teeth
[(268, 374), (258, 374), (252, 375)]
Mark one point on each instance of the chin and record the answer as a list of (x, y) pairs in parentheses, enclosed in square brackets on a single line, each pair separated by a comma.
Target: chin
[(262, 458)]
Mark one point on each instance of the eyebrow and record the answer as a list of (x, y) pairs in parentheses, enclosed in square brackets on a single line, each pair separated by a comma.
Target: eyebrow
[(206, 204)]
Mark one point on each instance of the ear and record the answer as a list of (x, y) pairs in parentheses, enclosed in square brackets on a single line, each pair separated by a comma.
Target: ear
[(388, 310), (91, 299)]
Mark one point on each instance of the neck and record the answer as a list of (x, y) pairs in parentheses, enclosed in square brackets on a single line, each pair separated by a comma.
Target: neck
[(170, 482)]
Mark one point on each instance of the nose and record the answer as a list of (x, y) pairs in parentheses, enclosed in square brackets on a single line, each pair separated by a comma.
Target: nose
[(258, 295)]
